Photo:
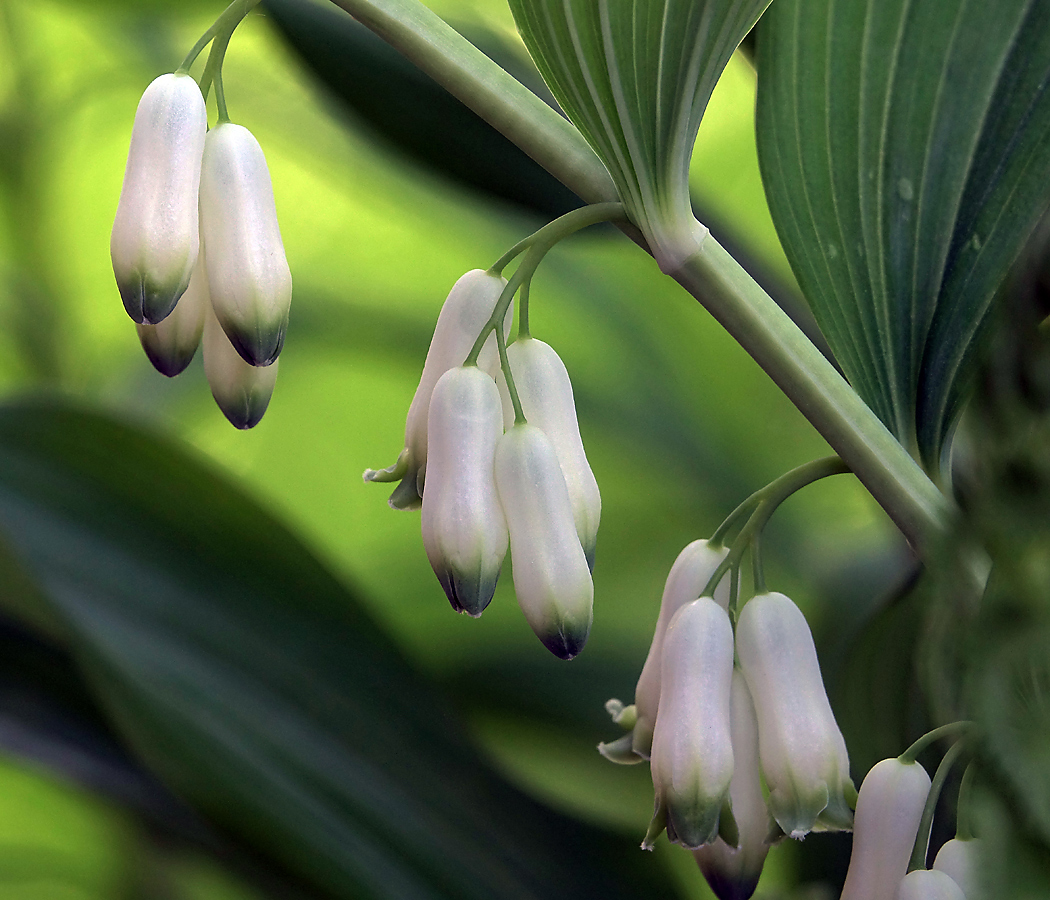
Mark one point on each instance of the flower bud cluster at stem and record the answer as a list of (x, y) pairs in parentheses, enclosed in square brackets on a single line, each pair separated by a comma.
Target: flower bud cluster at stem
[(187, 189), (486, 480)]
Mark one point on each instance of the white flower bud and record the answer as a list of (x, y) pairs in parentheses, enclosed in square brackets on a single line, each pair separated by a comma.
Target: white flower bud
[(464, 313), (733, 872), (155, 238), (546, 399), (551, 577), (248, 276), (242, 391), (464, 531), (923, 884), (803, 754), (692, 756), (170, 344), (688, 576), (958, 859), (889, 807)]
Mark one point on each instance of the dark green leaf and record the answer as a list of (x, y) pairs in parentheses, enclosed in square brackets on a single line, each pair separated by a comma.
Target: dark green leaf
[(410, 110), (253, 683), (904, 148)]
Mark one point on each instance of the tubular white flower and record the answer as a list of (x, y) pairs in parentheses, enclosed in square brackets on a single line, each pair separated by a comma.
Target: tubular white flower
[(546, 399), (464, 313), (688, 576), (248, 275), (923, 884), (551, 577), (155, 237), (242, 391), (170, 344), (464, 531), (692, 756), (733, 872), (957, 858), (889, 807), (803, 754)]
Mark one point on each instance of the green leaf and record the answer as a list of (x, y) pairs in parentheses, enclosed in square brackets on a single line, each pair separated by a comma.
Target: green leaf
[(635, 78), (904, 146), (253, 683), (410, 110)]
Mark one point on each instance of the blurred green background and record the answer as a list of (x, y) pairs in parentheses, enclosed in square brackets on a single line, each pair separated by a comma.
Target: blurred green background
[(678, 422)]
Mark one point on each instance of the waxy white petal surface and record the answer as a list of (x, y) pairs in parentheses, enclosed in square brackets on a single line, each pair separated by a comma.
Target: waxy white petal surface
[(155, 233), (248, 275), (464, 531)]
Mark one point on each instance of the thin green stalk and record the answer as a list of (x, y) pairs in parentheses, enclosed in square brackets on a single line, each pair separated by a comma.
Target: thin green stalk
[(501, 346), (963, 825), (711, 275), (758, 574), (931, 737), (228, 20), (764, 502), (565, 225), (922, 838), (523, 309)]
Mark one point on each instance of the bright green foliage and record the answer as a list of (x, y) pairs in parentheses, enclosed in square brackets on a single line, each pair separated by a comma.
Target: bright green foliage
[(635, 78), (905, 151)]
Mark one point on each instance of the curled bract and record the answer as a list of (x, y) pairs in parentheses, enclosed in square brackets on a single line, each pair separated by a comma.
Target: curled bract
[(155, 235), (692, 753), (464, 531), (551, 577), (467, 308), (803, 754), (248, 275)]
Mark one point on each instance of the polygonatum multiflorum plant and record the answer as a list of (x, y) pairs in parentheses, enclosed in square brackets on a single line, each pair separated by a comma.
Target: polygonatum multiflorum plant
[(905, 151)]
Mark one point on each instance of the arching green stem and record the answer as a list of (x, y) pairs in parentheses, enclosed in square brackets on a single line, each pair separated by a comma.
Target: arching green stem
[(758, 575), (922, 838), (553, 232), (501, 345), (952, 728), (963, 825), (227, 21), (764, 502), (523, 309)]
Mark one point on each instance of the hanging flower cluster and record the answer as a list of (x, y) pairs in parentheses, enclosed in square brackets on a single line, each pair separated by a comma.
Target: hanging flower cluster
[(494, 458), (892, 832), (731, 711), (196, 247)]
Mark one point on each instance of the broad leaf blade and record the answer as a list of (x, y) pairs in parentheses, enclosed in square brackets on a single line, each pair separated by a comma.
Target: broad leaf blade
[(876, 124), (635, 78), (251, 681), (1008, 189)]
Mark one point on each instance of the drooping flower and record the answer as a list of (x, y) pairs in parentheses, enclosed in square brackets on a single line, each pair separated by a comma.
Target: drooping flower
[(171, 344), (248, 275), (928, 884), (242, 391), (803, 754), (155, 233), (692, 753), (958, 859), (688, 577), (551, 577), (733, 872), (545, 393), (889, 807), (464, 531), (464, 313)]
